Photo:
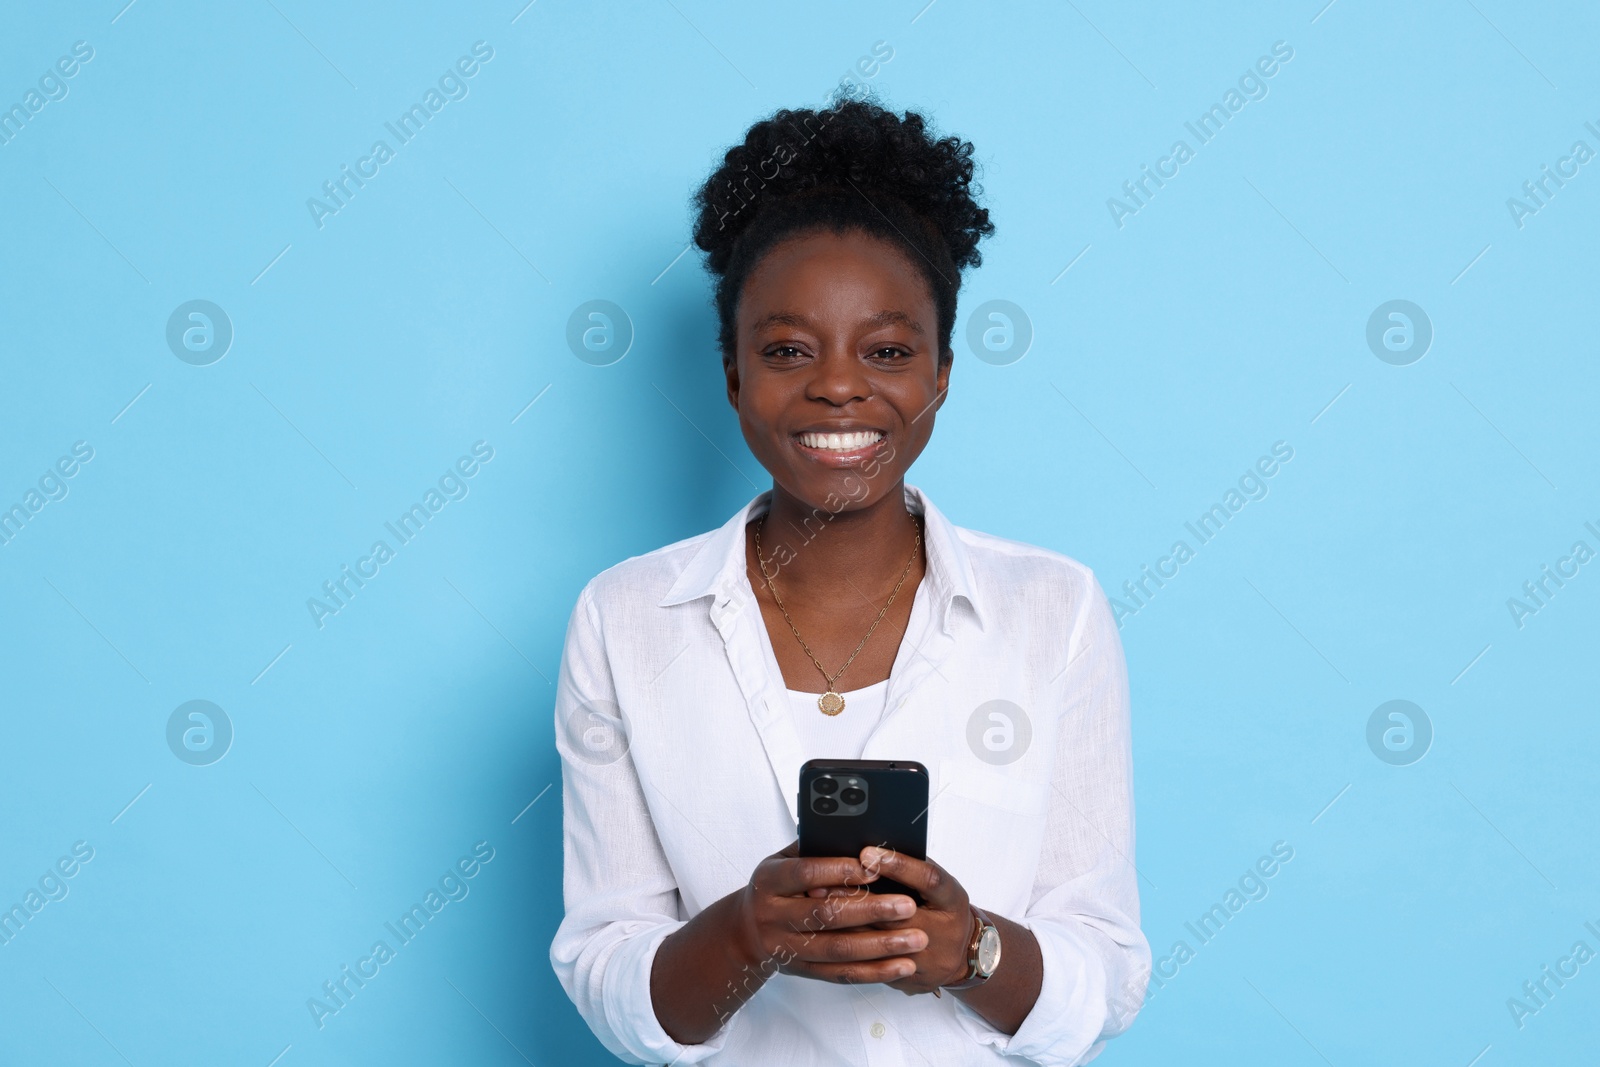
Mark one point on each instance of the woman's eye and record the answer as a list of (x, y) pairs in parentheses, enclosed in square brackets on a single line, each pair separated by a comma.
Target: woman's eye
[(784, 351), (891, 352)]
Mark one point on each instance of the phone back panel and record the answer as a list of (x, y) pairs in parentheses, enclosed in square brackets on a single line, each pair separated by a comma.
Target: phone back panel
[(893, 815)]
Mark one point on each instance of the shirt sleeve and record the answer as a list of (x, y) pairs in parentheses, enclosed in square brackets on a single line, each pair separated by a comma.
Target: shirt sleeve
[(1084, 908), (621, 898)]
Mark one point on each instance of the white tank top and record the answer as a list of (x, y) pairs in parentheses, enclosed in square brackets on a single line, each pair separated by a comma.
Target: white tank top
[(840, 736)]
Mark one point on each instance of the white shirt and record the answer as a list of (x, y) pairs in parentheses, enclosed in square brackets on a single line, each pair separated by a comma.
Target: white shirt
[(841, 736), (680, 767)]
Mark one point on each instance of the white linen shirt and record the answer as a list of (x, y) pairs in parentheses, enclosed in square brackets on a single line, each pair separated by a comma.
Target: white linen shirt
[(680, 773)]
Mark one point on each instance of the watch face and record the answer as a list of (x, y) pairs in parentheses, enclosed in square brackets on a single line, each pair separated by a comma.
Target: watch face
[(989, 950)]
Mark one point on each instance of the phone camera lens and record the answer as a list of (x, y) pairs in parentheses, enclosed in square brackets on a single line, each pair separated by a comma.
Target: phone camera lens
[(825, 786), (824, 805), (853, 795)]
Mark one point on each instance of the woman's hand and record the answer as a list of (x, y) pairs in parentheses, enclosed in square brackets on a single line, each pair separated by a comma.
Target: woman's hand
[(945, 919), (814, 917)]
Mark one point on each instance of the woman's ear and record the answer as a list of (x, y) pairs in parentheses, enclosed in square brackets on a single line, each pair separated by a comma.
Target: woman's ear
[(942, 378), (730, 368)]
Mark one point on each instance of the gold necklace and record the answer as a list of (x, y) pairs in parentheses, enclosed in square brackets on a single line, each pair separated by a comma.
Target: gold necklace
[(830, 702)]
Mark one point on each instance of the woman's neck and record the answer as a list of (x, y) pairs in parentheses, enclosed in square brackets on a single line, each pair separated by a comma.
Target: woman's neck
[(812, 552)]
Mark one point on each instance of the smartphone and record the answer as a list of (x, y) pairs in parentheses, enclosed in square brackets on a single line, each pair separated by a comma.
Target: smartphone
[(846, 805)]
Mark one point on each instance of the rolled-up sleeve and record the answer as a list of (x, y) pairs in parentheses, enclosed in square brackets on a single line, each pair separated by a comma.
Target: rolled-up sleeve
[(620, 896), (1084, 908)]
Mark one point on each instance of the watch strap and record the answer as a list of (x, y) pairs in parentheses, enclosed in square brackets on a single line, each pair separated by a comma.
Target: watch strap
[(973, 978)]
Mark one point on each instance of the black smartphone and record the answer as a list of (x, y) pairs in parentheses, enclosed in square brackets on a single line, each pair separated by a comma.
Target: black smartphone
[(846, 805)]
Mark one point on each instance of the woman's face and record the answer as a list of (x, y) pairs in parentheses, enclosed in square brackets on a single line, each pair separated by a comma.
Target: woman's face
[(836, 373)]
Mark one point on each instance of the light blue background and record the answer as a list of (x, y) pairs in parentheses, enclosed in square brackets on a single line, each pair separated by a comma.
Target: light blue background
[(370, 353)]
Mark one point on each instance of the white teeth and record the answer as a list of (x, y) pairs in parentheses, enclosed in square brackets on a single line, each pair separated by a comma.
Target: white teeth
[(841, 442)]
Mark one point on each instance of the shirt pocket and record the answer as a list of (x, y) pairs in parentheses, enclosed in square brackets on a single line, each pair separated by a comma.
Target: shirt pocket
[(986, 827), (992, 786)]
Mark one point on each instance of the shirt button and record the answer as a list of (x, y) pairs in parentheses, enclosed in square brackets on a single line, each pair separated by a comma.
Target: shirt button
[(877, 1029)]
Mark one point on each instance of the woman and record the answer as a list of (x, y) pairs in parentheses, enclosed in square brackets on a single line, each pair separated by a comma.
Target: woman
[(840, 615)]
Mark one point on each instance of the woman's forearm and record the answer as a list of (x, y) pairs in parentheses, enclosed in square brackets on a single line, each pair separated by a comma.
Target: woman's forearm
[(1011, 992), (703, 973)]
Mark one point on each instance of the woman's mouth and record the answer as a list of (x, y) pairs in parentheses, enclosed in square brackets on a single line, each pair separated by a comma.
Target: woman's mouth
[(841, 442), (840, 449)]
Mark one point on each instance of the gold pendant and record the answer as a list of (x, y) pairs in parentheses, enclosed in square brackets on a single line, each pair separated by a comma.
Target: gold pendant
[(830, 702)]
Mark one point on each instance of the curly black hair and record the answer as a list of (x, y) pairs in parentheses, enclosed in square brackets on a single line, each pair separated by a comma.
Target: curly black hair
[(852, 166)]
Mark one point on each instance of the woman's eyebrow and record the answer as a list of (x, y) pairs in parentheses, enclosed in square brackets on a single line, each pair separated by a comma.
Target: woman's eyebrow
[(893, 318), (800, 321), (782, 318)]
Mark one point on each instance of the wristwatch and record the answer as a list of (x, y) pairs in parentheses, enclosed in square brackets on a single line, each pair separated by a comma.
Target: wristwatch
[(983, 952)]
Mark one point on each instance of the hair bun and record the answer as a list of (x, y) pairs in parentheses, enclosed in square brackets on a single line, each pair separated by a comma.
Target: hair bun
[(852, 148)]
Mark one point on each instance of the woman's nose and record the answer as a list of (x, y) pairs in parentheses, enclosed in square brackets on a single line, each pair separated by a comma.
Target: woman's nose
[(838, 377)]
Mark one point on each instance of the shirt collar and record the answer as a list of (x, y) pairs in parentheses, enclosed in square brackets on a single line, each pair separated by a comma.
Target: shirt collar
[(718, 566)]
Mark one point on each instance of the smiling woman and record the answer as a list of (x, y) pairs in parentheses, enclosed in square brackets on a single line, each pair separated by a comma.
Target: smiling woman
[(694, 929)]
